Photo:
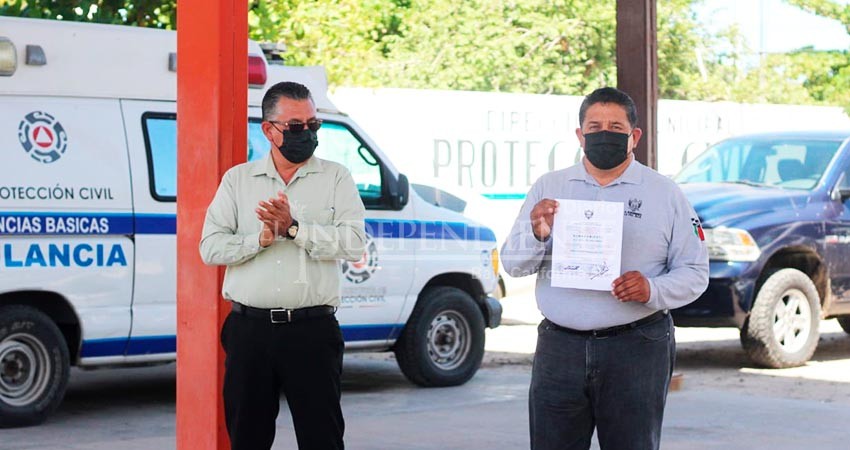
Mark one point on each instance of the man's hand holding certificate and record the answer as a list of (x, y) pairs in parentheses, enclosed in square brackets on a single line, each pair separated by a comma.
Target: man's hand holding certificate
[(542, 217), (631, 287), (587, 244)]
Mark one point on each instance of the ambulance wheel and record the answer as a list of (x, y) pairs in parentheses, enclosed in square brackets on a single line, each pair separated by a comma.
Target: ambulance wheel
[(443, 341), (34, 366)]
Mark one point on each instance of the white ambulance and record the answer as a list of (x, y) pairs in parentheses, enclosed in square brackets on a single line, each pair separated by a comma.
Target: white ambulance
[(87, 220)]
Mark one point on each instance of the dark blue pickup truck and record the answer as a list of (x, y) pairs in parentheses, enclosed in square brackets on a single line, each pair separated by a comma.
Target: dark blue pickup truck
[(776, 213)]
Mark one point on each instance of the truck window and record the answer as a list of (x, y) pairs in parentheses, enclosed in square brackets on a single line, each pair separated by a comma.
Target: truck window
[(339, 144), (785, 163)]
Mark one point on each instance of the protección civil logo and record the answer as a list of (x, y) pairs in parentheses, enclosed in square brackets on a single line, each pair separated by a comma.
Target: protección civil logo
[(42, 137), (358, 272)]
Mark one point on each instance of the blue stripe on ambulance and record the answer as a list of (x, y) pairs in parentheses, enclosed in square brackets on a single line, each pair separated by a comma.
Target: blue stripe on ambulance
[(32, 223), (148, 345)]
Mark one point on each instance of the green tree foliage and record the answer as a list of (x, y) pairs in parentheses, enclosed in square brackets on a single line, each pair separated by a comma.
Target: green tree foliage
[(534, 46), (530, 46), (824, 74), (143, 13), (349, 37)]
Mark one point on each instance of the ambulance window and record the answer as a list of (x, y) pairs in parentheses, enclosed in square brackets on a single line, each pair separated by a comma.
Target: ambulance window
[(336, 143), (258, 145), (161, 142)]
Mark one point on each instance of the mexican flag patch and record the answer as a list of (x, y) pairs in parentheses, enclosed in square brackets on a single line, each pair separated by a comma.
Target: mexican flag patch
[(698, 228)]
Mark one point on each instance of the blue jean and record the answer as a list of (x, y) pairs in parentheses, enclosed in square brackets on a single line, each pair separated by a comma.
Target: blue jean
[(617, 384)]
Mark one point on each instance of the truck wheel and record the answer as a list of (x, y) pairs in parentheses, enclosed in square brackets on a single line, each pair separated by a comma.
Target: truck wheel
[(34, 366), (443, 341), (782, 329), (844, 321)]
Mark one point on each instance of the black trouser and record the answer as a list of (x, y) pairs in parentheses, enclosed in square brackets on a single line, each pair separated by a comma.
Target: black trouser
[(303, 359), (617, 384)]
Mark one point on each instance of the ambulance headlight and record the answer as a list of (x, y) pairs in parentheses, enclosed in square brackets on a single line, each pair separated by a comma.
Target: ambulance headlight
[(731, 244), (8, 57)]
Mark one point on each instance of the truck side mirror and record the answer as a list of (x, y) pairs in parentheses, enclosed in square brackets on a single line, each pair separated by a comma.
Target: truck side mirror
[(840, 194), (400, 195)]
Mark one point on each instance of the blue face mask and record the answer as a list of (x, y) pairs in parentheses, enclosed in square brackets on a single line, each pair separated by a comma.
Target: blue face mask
[(298, 147), (606, 149)]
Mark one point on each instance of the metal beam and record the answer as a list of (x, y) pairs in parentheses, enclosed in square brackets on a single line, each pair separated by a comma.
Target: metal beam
[(212, 105), (637, 69)]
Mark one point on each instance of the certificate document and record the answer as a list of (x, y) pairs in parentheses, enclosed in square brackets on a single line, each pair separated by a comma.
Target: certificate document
[(587, 244)]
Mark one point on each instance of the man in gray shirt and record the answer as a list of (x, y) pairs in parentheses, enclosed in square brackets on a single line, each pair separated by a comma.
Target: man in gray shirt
[(281, 225), (604, 358)]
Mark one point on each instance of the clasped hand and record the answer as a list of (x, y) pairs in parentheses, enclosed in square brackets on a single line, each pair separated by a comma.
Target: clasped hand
[(276, 218)]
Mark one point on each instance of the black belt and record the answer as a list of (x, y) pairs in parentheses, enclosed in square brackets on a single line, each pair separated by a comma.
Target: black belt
[(612, 331), (283, 315)]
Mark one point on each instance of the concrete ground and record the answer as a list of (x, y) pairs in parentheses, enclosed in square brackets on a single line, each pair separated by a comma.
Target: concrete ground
[(725, 402)]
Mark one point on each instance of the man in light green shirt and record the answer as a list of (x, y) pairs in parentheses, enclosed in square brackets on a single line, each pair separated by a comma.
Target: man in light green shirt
[(285, 273), (281, 225)]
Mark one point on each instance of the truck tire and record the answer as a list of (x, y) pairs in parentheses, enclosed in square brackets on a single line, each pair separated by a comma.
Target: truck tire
[(844, 321), (782, 329), (34, 366), (443, 341)]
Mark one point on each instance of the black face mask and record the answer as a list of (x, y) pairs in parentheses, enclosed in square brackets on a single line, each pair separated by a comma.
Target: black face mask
[(606, 149), (298, 147)]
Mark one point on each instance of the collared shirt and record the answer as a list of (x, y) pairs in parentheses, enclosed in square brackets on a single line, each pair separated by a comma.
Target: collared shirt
[(661, 240), (289, 273)]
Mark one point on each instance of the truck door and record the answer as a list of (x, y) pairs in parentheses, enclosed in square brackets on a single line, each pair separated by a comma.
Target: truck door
[(837, 238)]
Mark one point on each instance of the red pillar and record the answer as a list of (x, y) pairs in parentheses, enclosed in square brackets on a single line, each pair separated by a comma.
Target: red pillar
[(212, 104)]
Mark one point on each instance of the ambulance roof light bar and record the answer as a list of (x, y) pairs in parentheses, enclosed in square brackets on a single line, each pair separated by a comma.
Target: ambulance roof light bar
[(257, 75), (8, 57), (274, 52)]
